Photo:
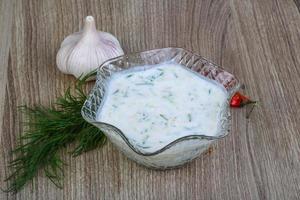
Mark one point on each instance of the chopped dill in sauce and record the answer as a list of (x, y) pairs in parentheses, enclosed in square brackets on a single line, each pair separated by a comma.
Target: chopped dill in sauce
[(155, 105)]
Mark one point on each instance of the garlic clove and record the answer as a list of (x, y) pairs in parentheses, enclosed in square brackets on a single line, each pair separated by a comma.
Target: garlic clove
[(82, 60), (62, 58), (84, 51), (71, 38)]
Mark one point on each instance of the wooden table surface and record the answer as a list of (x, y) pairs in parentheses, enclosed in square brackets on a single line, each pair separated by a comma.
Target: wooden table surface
[(257, 40)]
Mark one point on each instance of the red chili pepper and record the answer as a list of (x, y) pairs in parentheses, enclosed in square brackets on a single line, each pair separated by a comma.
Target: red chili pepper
[(238, 100)]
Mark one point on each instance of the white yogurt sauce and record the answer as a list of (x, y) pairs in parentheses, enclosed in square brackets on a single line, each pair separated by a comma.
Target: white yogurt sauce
[(154, 106)]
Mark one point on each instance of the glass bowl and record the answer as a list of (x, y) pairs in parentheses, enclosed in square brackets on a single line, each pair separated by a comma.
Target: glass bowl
[(180, 150)]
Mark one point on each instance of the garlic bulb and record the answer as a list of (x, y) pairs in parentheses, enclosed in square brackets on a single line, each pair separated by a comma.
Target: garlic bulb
[(84, 51)]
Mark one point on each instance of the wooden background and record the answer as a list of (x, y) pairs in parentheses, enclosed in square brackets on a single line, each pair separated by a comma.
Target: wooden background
[(257, 40)]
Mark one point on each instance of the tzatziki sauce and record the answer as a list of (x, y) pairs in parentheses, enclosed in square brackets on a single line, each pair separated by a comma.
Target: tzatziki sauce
[(154, 105)]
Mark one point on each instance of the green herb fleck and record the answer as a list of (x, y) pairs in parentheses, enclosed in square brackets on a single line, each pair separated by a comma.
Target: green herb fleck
[(145, 116), (145, 139), (161, 73), (115, 92), (163, 117), (190, 117), (151, 78), (130, 75), (146, 83), (209, 91), (169, 98)]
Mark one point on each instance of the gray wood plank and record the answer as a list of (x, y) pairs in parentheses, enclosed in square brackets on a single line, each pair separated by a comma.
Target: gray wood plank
[(257, 40)]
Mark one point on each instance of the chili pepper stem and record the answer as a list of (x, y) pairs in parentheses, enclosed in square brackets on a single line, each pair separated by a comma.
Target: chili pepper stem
[(248, 102), (254, 103)]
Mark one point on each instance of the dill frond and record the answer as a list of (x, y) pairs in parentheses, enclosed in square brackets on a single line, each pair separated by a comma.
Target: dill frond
[(49, 130)]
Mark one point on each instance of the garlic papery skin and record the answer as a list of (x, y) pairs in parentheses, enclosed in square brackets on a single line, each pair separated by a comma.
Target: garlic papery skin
[(84, 51)]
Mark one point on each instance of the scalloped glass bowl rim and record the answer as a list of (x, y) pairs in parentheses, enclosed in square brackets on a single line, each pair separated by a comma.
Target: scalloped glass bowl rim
[(169, 145)]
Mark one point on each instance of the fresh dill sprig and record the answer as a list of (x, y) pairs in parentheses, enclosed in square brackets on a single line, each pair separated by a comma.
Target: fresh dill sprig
[(48, 130)]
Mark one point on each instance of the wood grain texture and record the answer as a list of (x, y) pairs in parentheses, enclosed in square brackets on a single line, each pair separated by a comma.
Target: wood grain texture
[(257, 40)]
